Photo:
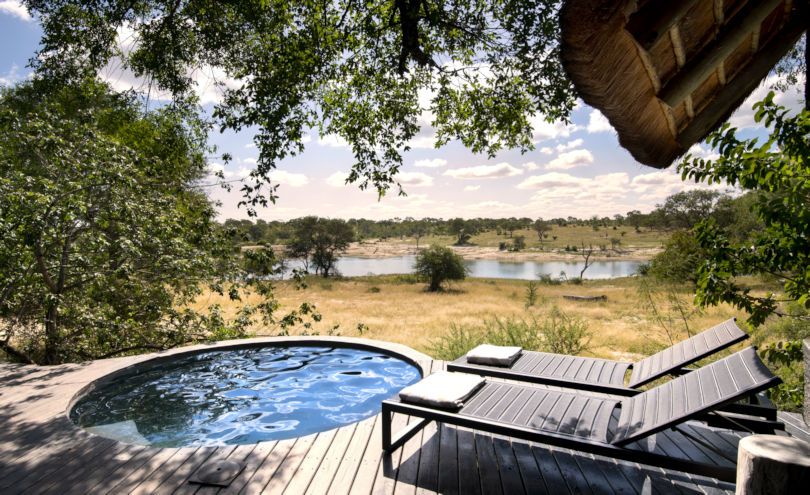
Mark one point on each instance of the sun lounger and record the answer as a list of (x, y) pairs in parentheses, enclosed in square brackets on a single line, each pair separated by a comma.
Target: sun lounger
[(604, 375), (610, 426)]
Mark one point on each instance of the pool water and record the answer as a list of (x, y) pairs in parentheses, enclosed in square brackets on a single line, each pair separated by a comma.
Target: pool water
[(243, 396)]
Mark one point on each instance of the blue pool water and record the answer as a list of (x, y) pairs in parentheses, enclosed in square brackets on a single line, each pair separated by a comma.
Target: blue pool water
[(243, 396)]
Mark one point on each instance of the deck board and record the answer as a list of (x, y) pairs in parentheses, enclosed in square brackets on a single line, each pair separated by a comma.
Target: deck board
[(42, 452)]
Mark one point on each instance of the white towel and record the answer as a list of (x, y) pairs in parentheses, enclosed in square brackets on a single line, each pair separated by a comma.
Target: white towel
[(493, 355), (442, 389)]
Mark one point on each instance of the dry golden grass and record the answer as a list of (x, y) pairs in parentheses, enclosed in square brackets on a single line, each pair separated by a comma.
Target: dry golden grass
[(623, 327)]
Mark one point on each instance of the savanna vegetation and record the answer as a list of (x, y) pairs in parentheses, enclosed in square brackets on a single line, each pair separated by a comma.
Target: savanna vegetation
[(108, 243)]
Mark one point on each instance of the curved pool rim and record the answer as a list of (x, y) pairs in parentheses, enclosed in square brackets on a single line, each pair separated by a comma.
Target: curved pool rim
[(415, 358)]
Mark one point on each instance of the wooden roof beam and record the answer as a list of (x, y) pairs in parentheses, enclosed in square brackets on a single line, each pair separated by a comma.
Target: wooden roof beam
[(705, 62), (745, 82), (652, 22)]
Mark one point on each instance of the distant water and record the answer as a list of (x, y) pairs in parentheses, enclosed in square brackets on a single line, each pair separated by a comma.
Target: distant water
[(524, 270)]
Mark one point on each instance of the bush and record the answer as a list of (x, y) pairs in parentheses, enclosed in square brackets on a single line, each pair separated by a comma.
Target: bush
[(565, 334), (438, 264), (680, 259), (558, 333), (531, 293), (546, 279)]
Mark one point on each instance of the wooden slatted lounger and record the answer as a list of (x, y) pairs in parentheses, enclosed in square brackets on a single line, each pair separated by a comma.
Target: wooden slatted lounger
[(604, 375), (614, 426)]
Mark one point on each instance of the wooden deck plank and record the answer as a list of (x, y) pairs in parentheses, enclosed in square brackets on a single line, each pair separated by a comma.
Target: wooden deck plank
[(487, 464), (331, 460), (448, 461), (469, 479), (155, 479), (303, 475), (571, 471), (552, 475), (527, 466), (289, 466), (265, 471), (427, 480), (240, 455), (365, 435), (511, 481)]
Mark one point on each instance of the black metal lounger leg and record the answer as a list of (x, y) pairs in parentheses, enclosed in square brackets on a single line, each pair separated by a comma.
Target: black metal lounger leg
[(390, 445)]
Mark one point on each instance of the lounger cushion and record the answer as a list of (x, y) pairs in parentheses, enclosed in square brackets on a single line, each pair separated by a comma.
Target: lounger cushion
[(442, 389), (494, 355)]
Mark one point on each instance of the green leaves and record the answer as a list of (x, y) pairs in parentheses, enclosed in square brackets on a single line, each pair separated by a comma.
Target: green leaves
[(778, 172), (355, 70)]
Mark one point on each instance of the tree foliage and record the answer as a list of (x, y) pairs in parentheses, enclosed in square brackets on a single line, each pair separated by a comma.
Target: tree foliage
[(105, 237), (319, 241), (439, 264), (350, 69), (778, 171)]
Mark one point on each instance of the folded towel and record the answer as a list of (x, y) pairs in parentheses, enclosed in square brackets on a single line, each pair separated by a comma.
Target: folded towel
[(442, 389), (493, 355)]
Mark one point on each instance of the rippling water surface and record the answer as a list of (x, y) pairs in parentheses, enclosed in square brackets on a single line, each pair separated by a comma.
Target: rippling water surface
[(244, 396)]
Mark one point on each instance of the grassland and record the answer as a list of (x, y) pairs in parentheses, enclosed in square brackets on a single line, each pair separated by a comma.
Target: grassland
[(394, 309), (559, 237)]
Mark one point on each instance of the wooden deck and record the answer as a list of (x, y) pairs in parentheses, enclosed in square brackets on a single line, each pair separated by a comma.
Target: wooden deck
[(41, 451)]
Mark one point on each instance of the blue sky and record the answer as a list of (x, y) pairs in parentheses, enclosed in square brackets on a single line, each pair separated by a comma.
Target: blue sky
[(576, 170)]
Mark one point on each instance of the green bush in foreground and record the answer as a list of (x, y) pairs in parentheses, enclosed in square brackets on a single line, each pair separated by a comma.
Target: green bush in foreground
[(558, 333)]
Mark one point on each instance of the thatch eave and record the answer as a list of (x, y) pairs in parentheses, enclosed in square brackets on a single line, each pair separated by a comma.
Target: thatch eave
[(665, 74)]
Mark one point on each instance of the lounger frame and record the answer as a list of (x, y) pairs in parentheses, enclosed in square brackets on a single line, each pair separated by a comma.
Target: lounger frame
[(692, 396)]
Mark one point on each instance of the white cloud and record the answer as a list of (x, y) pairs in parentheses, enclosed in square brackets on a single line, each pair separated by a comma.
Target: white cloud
[(743, 117), (551, 179), (306, 138), (333, 141), (251, 161), (530, 166), (543, 130), (430, 163), (698, 151), (11, 77), (414, 179), (338, 179), (569, 145), (484, 171), (472, 188), (250, 145), (598, 123), (287, 178), (546, 150), (15, 9), (214, 168), (571, 159)]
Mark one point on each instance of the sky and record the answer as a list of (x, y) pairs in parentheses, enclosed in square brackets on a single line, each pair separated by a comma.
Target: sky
[(576, 170)]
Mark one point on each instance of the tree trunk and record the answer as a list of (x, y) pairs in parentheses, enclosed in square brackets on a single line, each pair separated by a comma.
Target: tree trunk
[(52, 334)]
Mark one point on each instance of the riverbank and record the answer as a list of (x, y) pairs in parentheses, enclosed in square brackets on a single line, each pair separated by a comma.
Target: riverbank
[(386, 249), (382, 249)]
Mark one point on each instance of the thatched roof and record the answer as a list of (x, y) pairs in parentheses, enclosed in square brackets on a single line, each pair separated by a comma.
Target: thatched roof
[(667, 72)]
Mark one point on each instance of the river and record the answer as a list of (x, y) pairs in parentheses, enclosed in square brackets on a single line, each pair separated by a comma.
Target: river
[(523, 270)]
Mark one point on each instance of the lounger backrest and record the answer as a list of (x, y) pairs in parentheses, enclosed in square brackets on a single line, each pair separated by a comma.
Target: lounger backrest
[(692, 394), (690, 350)]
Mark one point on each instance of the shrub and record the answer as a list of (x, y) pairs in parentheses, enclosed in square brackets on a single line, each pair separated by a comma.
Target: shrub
[(680, 259), (546, 279), (455, 343), (531, 293), (439, 264), (557, 333), (565, 334), (374, 289)]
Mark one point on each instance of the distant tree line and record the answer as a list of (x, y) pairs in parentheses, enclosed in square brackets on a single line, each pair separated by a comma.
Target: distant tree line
[(679, 212)]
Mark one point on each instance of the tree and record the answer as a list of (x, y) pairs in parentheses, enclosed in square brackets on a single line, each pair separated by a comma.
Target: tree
[(541, 227), (105, 238), (686, 209), (778, 171), (439, 264), (319, 241), (351, 69), (462, 229)]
